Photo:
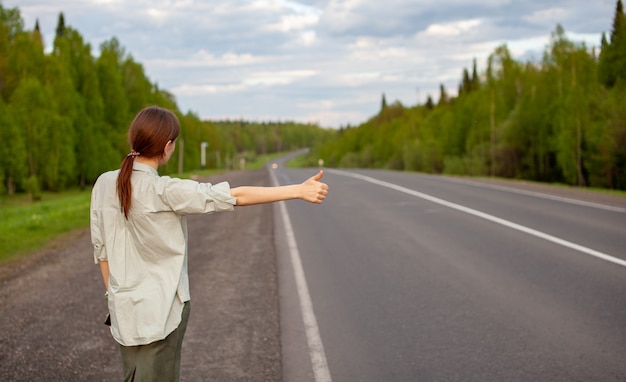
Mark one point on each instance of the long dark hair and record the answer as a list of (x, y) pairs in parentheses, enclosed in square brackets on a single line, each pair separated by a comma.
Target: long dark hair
[(148, 134)]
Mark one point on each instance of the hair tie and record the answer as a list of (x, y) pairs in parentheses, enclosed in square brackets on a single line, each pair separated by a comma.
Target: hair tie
[(133, 153)]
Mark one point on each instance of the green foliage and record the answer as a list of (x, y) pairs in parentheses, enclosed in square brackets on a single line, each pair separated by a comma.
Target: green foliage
[(558, 120), (65, 114), (612, 65), (13, 155), (232, 140), (32, 188)]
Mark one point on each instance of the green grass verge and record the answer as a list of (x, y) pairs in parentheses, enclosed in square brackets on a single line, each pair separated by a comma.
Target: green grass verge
[(27, 226)]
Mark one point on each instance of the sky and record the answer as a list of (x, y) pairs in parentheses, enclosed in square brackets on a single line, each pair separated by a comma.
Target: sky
[(315, 61)]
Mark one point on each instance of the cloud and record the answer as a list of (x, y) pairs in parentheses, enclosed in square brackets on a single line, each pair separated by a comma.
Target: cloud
[(324, 60), (453, 29), (549, 16), (204, 59), (277, 78), (296, 22), (262, 79)]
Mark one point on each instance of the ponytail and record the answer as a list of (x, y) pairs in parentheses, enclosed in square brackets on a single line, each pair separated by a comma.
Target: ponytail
[(124, 187), (149, 132)]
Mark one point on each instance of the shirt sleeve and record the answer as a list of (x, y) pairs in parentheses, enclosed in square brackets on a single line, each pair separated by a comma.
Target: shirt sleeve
[(191, 197), (95, 222)]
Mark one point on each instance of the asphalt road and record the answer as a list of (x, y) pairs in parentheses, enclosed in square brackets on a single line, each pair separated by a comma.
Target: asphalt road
[(405, 287), (401, 289)]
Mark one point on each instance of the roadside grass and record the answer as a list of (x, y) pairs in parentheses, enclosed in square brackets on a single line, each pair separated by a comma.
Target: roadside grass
[(27, 226)]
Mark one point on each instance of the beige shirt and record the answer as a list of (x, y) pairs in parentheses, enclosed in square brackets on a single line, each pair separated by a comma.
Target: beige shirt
[(147, 254)]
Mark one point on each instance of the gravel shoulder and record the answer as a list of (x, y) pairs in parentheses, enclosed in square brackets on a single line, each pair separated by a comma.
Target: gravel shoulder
[(52, 309)]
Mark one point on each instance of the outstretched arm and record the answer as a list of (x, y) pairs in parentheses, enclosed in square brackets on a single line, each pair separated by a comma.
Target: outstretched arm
[(311, 190)]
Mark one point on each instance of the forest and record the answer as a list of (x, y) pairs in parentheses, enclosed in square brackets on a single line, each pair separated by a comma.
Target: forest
[(560, 120), (64, 115)]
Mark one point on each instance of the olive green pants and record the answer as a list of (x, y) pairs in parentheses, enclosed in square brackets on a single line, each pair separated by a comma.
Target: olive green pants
[(158, 361)]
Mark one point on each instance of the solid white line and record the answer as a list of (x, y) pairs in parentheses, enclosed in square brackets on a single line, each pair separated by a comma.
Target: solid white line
[(506, 223), (314, 340), (538, 195)]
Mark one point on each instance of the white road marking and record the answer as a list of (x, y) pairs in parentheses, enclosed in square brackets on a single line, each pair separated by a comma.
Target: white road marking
[(538, 195), (506, 223), (314, 340)]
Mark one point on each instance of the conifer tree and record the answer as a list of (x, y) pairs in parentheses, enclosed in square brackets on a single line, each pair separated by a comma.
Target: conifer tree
[(443, 96), (61, 25), (466, 83), (613, 54), (37, 37), (475, 79), (619, 23), (618, 40), (430, 104)]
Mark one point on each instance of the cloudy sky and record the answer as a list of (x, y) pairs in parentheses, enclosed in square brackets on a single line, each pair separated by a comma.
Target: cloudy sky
[(323, 61)]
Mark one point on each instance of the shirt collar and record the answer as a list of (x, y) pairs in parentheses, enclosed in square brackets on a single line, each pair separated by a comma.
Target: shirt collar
[(138, 166)]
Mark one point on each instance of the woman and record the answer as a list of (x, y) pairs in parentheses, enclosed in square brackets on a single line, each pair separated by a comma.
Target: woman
[(139, 234)]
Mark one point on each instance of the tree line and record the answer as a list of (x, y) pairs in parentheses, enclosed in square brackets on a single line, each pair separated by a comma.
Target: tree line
[(64, 115), (562, 119)]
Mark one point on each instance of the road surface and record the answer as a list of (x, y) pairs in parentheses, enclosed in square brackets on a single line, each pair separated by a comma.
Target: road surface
[(426, 278), (407, 278)]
